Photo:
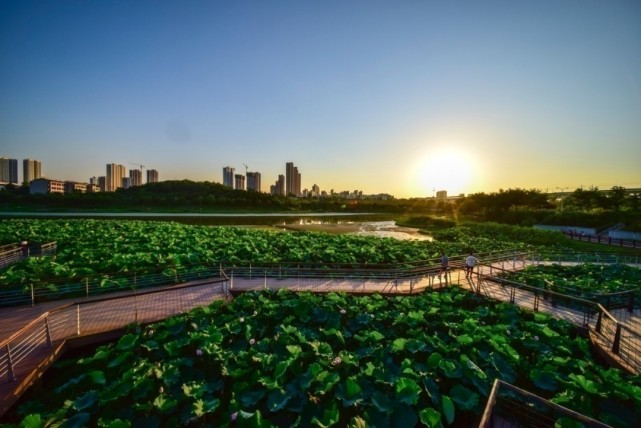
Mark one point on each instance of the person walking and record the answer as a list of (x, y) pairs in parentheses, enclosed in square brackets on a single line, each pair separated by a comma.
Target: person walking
[(470, 262), (445, 261)]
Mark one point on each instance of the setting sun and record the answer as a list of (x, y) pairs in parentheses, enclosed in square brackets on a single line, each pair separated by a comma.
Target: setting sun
[(450, 169)]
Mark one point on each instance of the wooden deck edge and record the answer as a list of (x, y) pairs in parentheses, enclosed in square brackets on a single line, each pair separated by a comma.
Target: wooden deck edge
[(32, 377), (610, 358)]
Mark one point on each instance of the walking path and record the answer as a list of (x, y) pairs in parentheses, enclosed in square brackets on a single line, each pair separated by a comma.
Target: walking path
[(54, 324)]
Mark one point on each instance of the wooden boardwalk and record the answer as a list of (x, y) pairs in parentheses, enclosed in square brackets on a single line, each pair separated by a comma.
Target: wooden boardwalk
[(91, 320)]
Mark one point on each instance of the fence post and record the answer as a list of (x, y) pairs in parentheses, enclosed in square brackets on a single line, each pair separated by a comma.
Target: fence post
[(631, 302), (33, 296), (265, 279), (48, 332), (87, 286), (536, 300), (231, 284), (598, 322), (617, 340), (10, 364), (78, 320)]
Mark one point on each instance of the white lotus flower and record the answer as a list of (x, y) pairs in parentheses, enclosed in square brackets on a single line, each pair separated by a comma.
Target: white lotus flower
[(536, 337), (161, 390), (252, 341), (337, 361), (242, 319), (199, 352), (343, 311)]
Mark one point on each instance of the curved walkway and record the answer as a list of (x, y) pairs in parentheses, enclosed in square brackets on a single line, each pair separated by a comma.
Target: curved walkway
[(55, 326)]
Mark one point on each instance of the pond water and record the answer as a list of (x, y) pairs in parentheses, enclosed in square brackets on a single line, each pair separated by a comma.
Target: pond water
[(369, 224)]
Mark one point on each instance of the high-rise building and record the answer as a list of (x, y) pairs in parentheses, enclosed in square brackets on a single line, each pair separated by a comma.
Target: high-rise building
[(292, 180), (152, 176), (8, 171), (228, 176), (102, 183), (253, 181), (136, 177), (31, 169), (115, 174), (239, 182), (281, 185)]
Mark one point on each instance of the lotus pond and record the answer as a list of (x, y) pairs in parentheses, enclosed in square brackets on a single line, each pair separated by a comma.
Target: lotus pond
[(285, 359)]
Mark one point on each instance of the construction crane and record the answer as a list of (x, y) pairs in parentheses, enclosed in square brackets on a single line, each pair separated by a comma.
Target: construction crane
[(137, 164)]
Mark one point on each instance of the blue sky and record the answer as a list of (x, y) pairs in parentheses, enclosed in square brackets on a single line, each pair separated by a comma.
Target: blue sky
[(397, 97)]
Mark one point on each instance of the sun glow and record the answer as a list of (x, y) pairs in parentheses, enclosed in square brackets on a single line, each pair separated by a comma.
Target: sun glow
[(449, 169)]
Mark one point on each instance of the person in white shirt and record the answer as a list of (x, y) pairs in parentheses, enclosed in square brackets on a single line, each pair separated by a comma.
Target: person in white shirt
[(470, 261)]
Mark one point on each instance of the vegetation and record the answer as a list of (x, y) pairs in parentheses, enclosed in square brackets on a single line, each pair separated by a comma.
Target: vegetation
[(286, 359), (584, 279), (91, 247)]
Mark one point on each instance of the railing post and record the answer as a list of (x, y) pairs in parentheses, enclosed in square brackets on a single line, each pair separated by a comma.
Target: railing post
[(87, 286), (536, 301), (265, 279), (33, 296), (48, 332), (10, 364), (617, 340), (631, 302), (231, 284), (598, 322), (78, 320)]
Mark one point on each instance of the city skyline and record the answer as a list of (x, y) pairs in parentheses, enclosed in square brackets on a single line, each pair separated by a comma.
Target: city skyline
[(405, 99)]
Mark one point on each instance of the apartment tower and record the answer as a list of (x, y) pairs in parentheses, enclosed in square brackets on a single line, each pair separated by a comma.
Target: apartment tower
[(152, 176), (228, 176), (8, 171), (115, 174), (253, 181), (31, 169)]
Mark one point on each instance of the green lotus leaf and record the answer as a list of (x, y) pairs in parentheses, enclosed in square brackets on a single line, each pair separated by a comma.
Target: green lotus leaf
[(434, 359), (430, 417), (32, 421), (86, 400), (544, 379), (407, 391), (399, 344), (464, 397), (329, 418), (202, 407), (277, 399), (79, 420), (587, 385), (448, 408), (127, 342)]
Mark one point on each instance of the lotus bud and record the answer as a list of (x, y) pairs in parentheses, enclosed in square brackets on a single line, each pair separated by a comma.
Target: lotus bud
[(536, 337), (343, 311), (234, 416), (161, 390), (242, 319), (252, 341), (194, 326), (255, 313), (199, 352), (337, 361)]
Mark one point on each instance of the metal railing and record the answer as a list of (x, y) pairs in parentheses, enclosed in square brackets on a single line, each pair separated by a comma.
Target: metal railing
[(598, 239), (97, 285), (104, 314), (13, 253), (611, 334), (509, 406)]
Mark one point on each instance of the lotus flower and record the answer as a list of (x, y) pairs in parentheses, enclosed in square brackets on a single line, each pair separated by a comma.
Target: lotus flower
[(337, 361), (252, 341), (199, 352), (343, 311), (161, 390), (241, 319), (234, 416)]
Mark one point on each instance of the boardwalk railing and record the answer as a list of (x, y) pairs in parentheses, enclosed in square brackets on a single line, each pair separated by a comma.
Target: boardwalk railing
[(103, 314), (509, 406), (13, 253), (598, 239), (610, 333), (97, 285)]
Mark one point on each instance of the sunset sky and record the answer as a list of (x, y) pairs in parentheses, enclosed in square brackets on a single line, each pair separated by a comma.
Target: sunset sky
[(385, 97)]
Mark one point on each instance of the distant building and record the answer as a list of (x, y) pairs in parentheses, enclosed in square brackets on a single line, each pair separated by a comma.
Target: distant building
[(8, 171), (152, 176), (115, 174), (228, 176), (45, 185), (102, 183), (315, 191), (441, 194), (253, 181), (239, 182), (73, 187), (292, 180), (126, 182), (31, 169), (93, 188), (136, 177), (278, 188)]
